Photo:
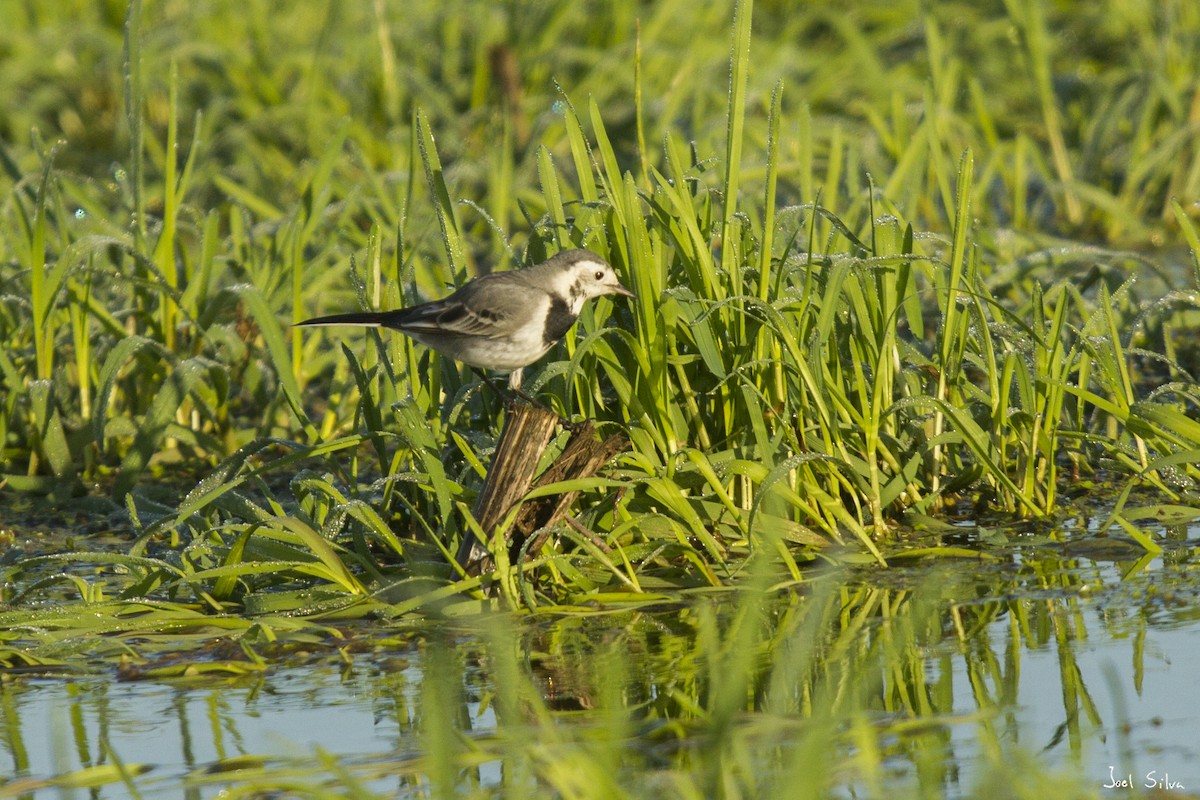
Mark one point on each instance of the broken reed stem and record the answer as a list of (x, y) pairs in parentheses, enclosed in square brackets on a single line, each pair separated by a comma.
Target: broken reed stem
[(525, 437), (583, 456), (526, 434)]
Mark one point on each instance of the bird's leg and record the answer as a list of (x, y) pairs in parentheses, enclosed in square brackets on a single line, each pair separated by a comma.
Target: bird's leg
[(516, 390), (500, 392)]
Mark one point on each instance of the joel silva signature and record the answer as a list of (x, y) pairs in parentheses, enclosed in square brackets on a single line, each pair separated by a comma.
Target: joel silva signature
[(1154, 780)]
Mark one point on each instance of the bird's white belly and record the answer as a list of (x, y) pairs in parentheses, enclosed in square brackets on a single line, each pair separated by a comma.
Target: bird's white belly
[(500, 353)]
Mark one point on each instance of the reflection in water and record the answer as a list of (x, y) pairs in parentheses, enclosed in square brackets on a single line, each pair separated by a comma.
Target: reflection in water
[(53, 727), (922, 679)]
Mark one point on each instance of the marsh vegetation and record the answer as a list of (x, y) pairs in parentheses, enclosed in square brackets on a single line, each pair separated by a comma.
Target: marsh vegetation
[(909, 385)]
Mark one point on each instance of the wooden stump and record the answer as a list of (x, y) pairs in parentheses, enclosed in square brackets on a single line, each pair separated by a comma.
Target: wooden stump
[(525, 437)]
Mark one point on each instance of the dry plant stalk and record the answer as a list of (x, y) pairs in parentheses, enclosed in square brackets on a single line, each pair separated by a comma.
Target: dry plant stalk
[(526, 435)]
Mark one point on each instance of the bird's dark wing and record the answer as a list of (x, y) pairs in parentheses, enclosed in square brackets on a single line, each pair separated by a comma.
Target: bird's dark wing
[(490, 306)]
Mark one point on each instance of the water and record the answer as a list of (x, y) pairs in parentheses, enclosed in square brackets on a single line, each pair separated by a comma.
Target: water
[(1138, 677), (283, 717), (1084, 664)]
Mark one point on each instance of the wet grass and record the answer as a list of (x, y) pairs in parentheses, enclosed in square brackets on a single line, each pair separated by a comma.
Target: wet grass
[(891, 264), (820, 367)]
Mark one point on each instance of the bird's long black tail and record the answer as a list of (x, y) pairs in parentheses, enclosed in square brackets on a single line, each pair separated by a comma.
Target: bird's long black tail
[(384, 319)]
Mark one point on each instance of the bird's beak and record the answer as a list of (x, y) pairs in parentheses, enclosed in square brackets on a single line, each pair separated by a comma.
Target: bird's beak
[(619, 289)]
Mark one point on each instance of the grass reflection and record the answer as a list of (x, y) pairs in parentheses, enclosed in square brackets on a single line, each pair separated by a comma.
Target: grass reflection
[(918, 680)]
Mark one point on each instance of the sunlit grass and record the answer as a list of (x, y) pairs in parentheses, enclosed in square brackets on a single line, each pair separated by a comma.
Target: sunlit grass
[(808, 355), (883, 268), (891, 259)]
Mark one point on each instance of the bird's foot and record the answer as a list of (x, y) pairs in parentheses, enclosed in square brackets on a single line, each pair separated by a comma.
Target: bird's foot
[(510, 400), (566, 423)]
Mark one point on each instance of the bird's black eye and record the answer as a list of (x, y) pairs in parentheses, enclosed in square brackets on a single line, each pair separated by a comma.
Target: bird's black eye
[(599, 275)]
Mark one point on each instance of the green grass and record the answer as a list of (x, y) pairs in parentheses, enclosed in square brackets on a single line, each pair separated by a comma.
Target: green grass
[(803, 357), (890, 259)]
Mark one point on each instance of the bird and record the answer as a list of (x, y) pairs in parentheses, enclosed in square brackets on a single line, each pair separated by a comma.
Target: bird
[(503, 321)]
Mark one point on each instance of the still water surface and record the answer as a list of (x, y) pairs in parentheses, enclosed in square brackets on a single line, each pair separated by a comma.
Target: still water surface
[(1127, 631)]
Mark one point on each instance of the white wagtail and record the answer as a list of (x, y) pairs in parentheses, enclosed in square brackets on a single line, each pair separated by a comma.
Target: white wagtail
[(503, 321)]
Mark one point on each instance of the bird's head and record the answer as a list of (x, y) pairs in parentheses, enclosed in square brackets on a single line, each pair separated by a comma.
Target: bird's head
[(581, 275)]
